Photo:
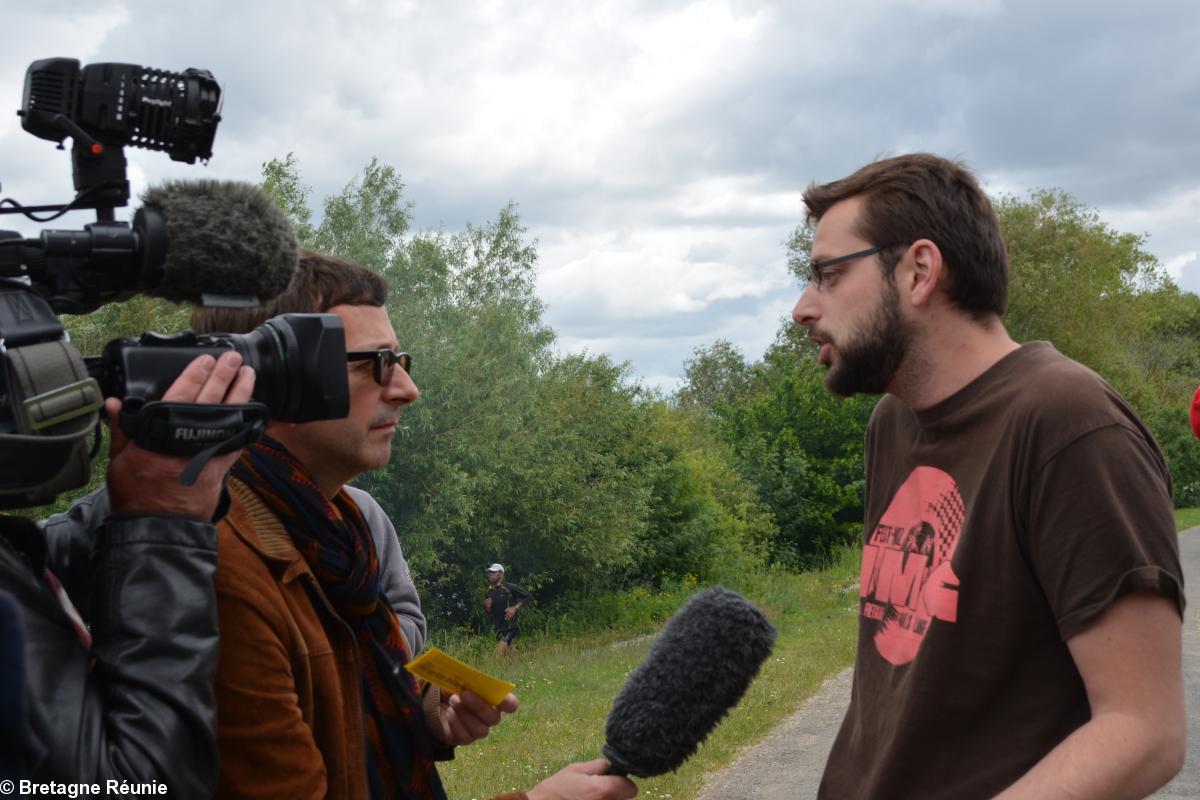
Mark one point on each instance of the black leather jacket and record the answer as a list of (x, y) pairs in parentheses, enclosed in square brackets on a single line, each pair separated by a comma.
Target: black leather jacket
[(139, 706)]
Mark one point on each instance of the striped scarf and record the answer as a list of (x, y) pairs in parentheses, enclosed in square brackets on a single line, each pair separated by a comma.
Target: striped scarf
[(334, 540)]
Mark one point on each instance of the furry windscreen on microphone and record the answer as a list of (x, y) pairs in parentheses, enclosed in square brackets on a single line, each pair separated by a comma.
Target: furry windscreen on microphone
[(698, 668), (224, 237)]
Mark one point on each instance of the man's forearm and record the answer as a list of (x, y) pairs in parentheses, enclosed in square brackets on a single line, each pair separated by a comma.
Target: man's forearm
[(1112, 756)]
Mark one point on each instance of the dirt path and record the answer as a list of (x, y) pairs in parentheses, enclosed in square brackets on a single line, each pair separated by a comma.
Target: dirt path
[(787, 764)]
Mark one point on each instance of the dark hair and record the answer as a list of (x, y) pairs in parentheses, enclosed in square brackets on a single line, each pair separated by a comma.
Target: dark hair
[(320, 283), (923, 196)]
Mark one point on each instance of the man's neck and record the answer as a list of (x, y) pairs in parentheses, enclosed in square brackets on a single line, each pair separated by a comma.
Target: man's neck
[(329, 484), (951, 352)]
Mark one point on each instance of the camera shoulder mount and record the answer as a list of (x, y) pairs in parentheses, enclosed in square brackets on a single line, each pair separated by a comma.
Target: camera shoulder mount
[(48, 402), (199, 430)]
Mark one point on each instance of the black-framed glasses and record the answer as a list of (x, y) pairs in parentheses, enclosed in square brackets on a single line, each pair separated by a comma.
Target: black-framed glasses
[(383, 362), (816, 269)]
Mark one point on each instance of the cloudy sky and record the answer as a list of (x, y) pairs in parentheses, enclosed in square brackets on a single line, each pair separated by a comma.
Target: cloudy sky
[(657, 150)]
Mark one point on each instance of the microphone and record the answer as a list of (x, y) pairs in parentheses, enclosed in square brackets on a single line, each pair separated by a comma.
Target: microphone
[(698, 668), (224, 239), (209, 242)]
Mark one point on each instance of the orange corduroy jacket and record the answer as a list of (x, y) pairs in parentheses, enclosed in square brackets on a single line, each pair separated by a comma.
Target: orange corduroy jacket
[(289, 711)]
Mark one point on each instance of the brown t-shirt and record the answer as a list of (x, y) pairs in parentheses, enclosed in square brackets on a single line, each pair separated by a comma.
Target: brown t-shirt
[(1000, 523)]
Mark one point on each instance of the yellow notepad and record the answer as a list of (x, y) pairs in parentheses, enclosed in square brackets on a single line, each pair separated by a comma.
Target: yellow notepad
[(452, 675)]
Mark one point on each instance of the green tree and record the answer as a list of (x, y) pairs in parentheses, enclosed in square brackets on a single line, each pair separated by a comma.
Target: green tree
[(706, 520), (802, 448), (1101, 298), (558, 466), (281, 180), (714, 376), (367, 221), (1093, 291), (1078, 283), (799, 447)]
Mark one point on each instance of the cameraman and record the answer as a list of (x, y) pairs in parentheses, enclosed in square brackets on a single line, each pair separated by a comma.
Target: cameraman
[(124, 691)]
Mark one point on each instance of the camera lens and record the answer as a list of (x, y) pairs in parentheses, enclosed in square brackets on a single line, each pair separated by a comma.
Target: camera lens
[(299, 362), (300, 366)]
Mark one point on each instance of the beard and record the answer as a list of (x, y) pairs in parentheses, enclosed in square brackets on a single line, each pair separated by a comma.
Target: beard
[(872, 356)]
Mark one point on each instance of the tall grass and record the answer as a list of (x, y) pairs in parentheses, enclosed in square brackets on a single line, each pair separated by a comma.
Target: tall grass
[(567, 682)]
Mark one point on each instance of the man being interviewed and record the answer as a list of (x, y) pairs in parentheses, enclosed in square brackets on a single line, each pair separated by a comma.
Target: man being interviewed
[(312, 698), (1021, 592)]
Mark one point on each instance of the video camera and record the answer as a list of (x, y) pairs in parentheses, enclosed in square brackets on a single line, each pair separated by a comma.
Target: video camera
[(211, 242)]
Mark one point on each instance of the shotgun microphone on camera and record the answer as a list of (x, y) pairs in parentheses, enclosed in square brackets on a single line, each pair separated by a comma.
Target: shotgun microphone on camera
[(698, 668), (208, 242)]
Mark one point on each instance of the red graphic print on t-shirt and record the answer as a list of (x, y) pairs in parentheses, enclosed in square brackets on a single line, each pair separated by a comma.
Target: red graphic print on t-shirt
[(907, 580)]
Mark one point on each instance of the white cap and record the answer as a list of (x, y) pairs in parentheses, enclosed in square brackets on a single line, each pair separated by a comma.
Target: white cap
[(495, 568)]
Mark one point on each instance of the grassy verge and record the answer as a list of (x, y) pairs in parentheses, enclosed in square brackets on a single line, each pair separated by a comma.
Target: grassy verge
[(567, 685), (1186, 518)]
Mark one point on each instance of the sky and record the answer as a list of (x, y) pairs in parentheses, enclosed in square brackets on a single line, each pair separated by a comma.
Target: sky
[(657, 151)]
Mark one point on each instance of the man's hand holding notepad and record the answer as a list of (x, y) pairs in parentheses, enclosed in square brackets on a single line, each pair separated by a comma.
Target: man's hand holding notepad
[(453, 676)]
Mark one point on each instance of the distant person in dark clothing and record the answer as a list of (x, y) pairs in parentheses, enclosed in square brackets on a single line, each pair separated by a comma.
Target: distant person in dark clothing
[(502, 601)]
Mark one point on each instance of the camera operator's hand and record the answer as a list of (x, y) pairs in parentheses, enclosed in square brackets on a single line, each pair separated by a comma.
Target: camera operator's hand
[(143, 482)]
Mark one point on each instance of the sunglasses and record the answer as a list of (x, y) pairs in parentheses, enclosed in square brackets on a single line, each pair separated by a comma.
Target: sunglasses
[(383, 362)]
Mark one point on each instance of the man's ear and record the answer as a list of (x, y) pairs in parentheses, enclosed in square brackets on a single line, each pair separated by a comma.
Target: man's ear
[(926, 271)]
